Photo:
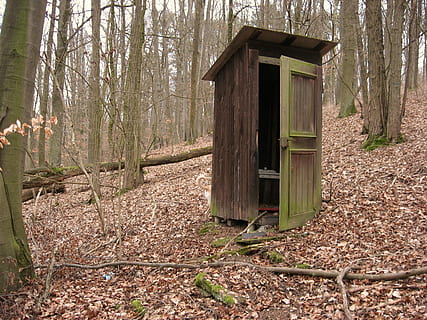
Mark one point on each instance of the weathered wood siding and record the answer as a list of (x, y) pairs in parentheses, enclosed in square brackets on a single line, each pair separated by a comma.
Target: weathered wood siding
[(234, 161)]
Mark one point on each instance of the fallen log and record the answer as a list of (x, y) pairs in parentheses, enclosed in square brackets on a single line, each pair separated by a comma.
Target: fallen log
[(28, 194), (41, 177)]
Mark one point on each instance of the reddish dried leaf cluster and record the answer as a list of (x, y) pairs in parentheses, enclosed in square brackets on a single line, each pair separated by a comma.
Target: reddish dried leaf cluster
[(374, 222)]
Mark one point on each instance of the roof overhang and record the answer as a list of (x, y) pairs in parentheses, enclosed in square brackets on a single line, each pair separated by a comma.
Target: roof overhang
[(279, 38)]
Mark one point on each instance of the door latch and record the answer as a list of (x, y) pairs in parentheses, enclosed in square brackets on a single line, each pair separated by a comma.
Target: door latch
[(284, 142)]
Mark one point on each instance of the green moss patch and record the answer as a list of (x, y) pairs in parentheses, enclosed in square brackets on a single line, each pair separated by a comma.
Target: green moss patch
[(210, 227), (274, 257), (138, 308), (218, 292), (220, 242)]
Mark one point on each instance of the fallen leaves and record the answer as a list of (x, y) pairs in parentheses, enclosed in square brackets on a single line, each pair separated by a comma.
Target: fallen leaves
[(375, 221)]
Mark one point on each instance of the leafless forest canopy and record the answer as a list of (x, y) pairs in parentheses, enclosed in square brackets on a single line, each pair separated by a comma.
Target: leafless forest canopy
[(82, 70)]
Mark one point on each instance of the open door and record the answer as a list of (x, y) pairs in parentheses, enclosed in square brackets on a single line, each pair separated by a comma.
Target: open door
[(300, 142)]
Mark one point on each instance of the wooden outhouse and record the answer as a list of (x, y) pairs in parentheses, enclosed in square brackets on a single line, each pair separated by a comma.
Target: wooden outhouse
[(267, 131)]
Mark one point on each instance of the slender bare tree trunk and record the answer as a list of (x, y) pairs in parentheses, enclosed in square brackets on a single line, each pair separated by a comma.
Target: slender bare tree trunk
[(55, 154), (348, 45), (230, 20), (363, 75), (394, 84), (95, 107), (113, 112), (195, 68), (377, 113), (412, 55), (132, 104), (45, 87)]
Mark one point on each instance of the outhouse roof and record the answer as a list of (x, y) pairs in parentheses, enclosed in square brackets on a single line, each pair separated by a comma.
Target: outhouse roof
[(248, 33)]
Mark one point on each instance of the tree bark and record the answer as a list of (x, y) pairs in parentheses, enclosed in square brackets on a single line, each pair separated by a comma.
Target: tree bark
[(230, 20), (377, 113), (132, 106), (45, 88), (363, 74), (95, 107), (195, 68), (19, 50), (413, 46), (55, 152), (395, 69), (347, 78)]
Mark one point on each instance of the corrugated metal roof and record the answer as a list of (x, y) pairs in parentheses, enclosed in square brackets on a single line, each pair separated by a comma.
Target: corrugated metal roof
[(248, 33)]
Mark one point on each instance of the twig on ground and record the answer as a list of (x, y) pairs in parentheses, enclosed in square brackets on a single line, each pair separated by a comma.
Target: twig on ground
[(383, 304), (104, 244), (153, 211), (48, 281), (344, 292)]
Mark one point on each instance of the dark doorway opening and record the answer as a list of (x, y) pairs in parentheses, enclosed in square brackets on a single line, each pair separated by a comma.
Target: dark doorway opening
[(269, 136)]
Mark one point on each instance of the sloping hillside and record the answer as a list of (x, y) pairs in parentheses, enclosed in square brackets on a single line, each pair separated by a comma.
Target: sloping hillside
[(374, 221)]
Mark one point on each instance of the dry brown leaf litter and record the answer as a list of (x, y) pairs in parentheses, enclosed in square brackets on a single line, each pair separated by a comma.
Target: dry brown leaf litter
[(374, 222)]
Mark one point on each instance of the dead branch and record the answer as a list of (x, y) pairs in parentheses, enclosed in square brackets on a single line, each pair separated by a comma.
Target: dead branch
[(344, 293), (383, 304), (48, 281), (292, 271)]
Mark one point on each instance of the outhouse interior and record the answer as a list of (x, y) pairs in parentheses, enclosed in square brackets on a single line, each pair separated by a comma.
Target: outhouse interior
[(267, 127)]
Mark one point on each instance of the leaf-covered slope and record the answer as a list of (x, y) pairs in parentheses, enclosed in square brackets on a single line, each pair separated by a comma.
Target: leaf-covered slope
[(374, 222)]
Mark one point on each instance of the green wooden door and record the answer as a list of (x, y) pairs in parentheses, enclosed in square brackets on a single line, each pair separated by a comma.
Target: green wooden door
[(300, 141)]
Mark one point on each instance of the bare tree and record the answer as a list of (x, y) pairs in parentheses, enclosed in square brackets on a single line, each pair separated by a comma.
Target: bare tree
[(377, 113), (55, 154), (348, 66), (132, 102), (45, 86), (96, 108), (195, 67), (395, 70), (19, 52)]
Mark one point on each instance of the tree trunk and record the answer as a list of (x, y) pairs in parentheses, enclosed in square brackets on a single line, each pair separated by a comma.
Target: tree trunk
[(363, 75), (377, 84), (132, 106), (55, 154), (395, 70), (19, 50), (45, 88), (113, 108), (195, 68), (347, 87), (230, 20), (412, 57), (95, 107)]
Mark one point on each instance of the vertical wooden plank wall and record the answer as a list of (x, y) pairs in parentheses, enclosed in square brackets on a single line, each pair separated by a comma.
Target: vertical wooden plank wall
[(234, 162)]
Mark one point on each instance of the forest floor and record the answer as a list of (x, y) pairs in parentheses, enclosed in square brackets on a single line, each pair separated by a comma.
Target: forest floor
[(375, 221)]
